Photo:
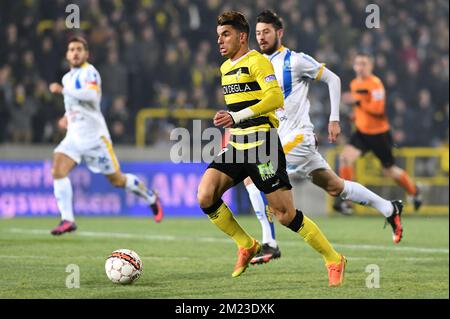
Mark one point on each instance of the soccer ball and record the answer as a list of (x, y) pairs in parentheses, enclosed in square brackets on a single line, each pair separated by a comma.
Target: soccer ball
[(123, 266)]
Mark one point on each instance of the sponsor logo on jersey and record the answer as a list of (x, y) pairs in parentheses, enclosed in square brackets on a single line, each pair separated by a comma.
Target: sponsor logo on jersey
[(287, 65), (240, 87), (270, 78), (238, 74)]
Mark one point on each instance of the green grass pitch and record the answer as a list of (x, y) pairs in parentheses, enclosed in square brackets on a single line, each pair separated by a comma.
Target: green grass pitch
[(190, 258)]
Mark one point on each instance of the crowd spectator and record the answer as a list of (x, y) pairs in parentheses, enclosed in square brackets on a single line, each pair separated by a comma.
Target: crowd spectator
[(162, 53)]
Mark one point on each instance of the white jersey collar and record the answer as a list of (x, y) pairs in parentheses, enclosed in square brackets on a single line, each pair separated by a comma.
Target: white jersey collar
[(280, 49), (237, 60)]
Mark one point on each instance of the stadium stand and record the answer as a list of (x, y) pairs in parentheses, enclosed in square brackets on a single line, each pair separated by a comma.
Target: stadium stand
[(162, 54)]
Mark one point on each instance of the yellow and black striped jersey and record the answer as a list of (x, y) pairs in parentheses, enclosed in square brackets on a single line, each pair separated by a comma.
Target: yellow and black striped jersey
[(245, 82)]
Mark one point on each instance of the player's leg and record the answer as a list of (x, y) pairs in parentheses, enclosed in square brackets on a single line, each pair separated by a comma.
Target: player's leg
[(357, 193), (381, 145), (103, 159), (132, 183), (347, 160), (281, 202), (270, 248), (211, 188), (271, 177), (348, 190), (402, 179), (62, 188)]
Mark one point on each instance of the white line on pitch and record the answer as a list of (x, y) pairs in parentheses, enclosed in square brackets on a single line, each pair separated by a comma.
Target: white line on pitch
[(225, 240), (359, 258), (90, 257), (398, 258)]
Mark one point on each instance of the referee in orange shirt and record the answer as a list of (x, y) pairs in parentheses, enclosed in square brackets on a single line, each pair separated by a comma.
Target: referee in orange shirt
[(372, 130)]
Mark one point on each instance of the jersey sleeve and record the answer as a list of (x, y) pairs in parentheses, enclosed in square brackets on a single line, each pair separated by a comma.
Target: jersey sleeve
[(92, 79), (87, 86), (264, 74), (308, 67)]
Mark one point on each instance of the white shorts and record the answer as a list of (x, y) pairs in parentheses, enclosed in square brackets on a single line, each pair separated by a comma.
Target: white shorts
[(302, 155), (99, 158)]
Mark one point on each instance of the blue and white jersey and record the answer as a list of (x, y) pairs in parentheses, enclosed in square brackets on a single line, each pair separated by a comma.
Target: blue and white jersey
[(82, 95), (294, 71)]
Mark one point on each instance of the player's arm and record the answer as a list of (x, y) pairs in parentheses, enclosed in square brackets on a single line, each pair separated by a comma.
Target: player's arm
[(88, 92), (375, 104), (308, 67), (84, 94), (334, 87), (272, 95), (271, 100), (90, 88)]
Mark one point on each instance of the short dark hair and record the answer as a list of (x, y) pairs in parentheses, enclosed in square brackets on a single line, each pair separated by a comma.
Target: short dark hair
[(268, 16), (364, 54), (80, 40), (236, 19)]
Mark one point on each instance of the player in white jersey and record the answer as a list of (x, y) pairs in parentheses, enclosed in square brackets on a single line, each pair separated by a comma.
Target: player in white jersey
[(294, 72), (87, 138)]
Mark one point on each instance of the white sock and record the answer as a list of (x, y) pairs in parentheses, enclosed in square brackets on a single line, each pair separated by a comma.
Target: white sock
[(260, 210), (62, 188), (361, 195), (133, 184)]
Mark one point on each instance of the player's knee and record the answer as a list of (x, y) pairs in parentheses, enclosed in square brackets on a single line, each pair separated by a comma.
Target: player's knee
[(334, 192), (335, 187), (58, 174), (284, 220), (205, 198), (284, 214), (117, 181), (344, 160), (388, 171)]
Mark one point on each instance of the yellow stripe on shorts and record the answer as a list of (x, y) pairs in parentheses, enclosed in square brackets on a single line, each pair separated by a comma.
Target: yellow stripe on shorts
[(249, 130), (246, 146), (290, 145), (111, 152)]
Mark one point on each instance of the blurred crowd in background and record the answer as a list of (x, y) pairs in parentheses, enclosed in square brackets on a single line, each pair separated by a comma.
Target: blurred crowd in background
[(163, 54)]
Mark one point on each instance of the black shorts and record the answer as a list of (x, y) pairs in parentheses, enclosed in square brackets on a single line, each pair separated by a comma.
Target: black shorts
[(380, 144), (267, 172)]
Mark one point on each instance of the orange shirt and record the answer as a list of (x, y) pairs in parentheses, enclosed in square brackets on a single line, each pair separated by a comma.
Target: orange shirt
[(370, 117)]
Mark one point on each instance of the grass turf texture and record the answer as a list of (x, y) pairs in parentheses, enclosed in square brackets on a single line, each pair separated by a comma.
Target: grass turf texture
[(190, 258)]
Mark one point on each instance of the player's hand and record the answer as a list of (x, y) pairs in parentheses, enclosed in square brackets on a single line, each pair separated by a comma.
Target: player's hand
[(223, 119), (334, 130), (55, 88), (348, 98), (62, 123)]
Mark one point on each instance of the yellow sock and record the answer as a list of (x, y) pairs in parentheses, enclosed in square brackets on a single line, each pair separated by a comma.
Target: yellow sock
[(317, 240), (224, 219)]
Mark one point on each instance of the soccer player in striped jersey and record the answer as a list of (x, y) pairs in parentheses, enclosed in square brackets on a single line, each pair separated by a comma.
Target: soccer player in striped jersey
[(294, 72), (87, 138), (252, 95)]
